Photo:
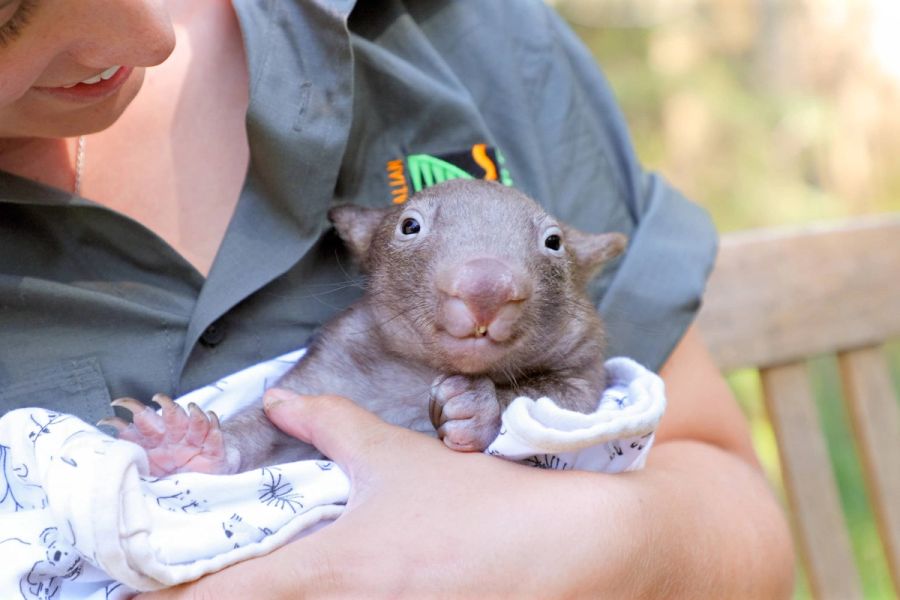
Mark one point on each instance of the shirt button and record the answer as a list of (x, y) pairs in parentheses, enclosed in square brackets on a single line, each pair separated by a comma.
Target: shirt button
[(213, 335)]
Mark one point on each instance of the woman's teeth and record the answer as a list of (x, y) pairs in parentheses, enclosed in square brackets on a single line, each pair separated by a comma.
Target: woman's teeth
[(98, 78)]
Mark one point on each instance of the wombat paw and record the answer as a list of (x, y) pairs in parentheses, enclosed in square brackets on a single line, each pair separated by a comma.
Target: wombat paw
[(176, 440), (465, 412)]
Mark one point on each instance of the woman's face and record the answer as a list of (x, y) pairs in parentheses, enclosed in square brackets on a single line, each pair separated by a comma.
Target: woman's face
[(70, 67)]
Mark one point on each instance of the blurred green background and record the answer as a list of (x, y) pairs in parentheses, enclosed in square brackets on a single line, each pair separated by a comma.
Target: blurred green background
[(767, 112)]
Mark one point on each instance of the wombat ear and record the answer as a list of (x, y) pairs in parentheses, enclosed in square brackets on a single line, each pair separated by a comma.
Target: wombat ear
[(356, 225), (592, 250)]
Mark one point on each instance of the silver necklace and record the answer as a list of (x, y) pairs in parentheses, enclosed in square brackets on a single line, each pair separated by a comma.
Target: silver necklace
[(79, 163)]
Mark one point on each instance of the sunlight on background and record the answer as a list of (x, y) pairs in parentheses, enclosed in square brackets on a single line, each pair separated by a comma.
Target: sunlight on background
[(885, 39), (768, 113)]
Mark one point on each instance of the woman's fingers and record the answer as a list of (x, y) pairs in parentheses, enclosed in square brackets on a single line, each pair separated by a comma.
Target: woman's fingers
[(337, 427)]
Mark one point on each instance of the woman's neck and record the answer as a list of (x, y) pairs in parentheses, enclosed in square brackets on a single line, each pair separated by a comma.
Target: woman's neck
[(48, 161)]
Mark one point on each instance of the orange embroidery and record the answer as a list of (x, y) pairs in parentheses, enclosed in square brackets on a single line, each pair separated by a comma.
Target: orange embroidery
[(479, 154), (397, 181)]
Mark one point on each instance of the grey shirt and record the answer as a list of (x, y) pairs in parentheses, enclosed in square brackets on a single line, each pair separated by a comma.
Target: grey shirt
[(344, 107)]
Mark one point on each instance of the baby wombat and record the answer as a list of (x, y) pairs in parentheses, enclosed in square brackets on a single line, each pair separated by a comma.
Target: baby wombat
[(475, 296)]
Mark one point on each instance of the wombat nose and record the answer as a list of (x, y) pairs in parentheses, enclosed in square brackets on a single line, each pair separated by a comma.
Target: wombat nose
[(489, 289)]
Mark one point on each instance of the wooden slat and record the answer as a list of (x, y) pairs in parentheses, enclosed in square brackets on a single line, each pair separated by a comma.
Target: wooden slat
[(778, 296), (820, 532), (875, 415)]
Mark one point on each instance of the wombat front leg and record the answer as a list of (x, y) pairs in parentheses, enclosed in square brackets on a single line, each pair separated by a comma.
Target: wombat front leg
[(464, 411), (176, 440), (575, 391)]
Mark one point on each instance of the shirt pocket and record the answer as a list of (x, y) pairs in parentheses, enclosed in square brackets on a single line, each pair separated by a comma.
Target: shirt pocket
[(75, 387)]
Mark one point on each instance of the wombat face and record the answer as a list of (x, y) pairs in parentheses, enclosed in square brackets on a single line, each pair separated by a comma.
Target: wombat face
[(474, 277)]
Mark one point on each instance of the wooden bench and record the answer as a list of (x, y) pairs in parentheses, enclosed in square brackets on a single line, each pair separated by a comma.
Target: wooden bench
[(778, 297)]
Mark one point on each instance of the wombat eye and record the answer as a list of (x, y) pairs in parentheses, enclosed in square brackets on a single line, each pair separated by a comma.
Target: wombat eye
[(410, 226), (553, 241)]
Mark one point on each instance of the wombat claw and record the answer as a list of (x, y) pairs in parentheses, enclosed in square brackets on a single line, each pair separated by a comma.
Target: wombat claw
[(175, 440), (464, 411)]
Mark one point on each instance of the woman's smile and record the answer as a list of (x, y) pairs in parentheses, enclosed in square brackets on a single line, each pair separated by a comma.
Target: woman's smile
[(96, 87)]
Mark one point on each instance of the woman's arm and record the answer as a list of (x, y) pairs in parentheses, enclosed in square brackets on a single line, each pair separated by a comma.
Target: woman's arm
[(422, 520)]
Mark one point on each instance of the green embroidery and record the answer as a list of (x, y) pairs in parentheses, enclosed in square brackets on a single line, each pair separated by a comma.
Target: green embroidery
[(505, 177), (426, 171)]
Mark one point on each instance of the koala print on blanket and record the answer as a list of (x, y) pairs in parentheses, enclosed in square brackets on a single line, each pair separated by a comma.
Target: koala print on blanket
[(62, 563)]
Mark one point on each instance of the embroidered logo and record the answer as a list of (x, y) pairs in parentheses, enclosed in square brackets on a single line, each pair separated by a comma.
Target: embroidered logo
[(419, 171)]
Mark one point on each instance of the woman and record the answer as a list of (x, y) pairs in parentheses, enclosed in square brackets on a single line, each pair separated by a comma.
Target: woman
[(161, 227)]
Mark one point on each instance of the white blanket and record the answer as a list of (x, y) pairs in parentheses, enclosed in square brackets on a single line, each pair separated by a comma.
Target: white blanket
[(81, 518)]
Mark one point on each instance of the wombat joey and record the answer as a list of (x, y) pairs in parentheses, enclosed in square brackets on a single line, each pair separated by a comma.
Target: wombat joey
[(474, 296)]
